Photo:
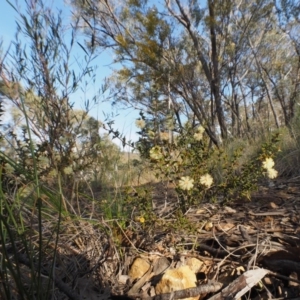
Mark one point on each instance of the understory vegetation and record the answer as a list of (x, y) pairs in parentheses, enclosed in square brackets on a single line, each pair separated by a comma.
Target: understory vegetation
[(217, 89)]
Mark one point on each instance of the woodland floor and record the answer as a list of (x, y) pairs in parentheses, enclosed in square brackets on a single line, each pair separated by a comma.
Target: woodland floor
[(227, 240), (240, 236)]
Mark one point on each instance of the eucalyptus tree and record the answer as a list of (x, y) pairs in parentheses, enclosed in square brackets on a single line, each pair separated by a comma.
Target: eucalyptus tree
[(159, 63)]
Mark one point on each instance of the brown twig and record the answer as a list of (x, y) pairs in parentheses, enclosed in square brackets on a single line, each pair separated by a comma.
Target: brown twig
[(211, 287)]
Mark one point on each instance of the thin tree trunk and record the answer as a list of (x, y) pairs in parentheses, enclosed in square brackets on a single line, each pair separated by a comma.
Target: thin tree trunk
[(259, 68), (215, 81)]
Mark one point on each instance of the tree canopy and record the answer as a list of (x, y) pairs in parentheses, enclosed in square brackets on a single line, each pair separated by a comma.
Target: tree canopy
[(231, 66)]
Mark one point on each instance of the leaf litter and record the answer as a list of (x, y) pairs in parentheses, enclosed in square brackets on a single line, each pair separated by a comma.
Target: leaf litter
[(243, 250)]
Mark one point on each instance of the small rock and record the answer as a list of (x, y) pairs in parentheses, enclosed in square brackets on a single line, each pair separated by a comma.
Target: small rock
[(160, 265), (208, 226), (177, 279), (139, 268), (194, 264)]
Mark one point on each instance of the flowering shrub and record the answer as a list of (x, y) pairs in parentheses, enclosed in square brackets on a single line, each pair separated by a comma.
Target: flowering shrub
[(192, 164)]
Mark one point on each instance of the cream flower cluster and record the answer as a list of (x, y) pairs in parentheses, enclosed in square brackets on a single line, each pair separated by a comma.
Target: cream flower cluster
[(198, 135), (206, 180), (68, 170), (140, 123), (156, 153), (268, 165), (187, 183)]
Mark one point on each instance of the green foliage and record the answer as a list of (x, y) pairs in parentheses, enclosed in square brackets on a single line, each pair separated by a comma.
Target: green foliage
[(182, 224), (289, 155), (238, 181), (138, 202), (26, 207)]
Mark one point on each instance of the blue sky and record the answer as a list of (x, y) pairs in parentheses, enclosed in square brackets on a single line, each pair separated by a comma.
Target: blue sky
[(125, 121)]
